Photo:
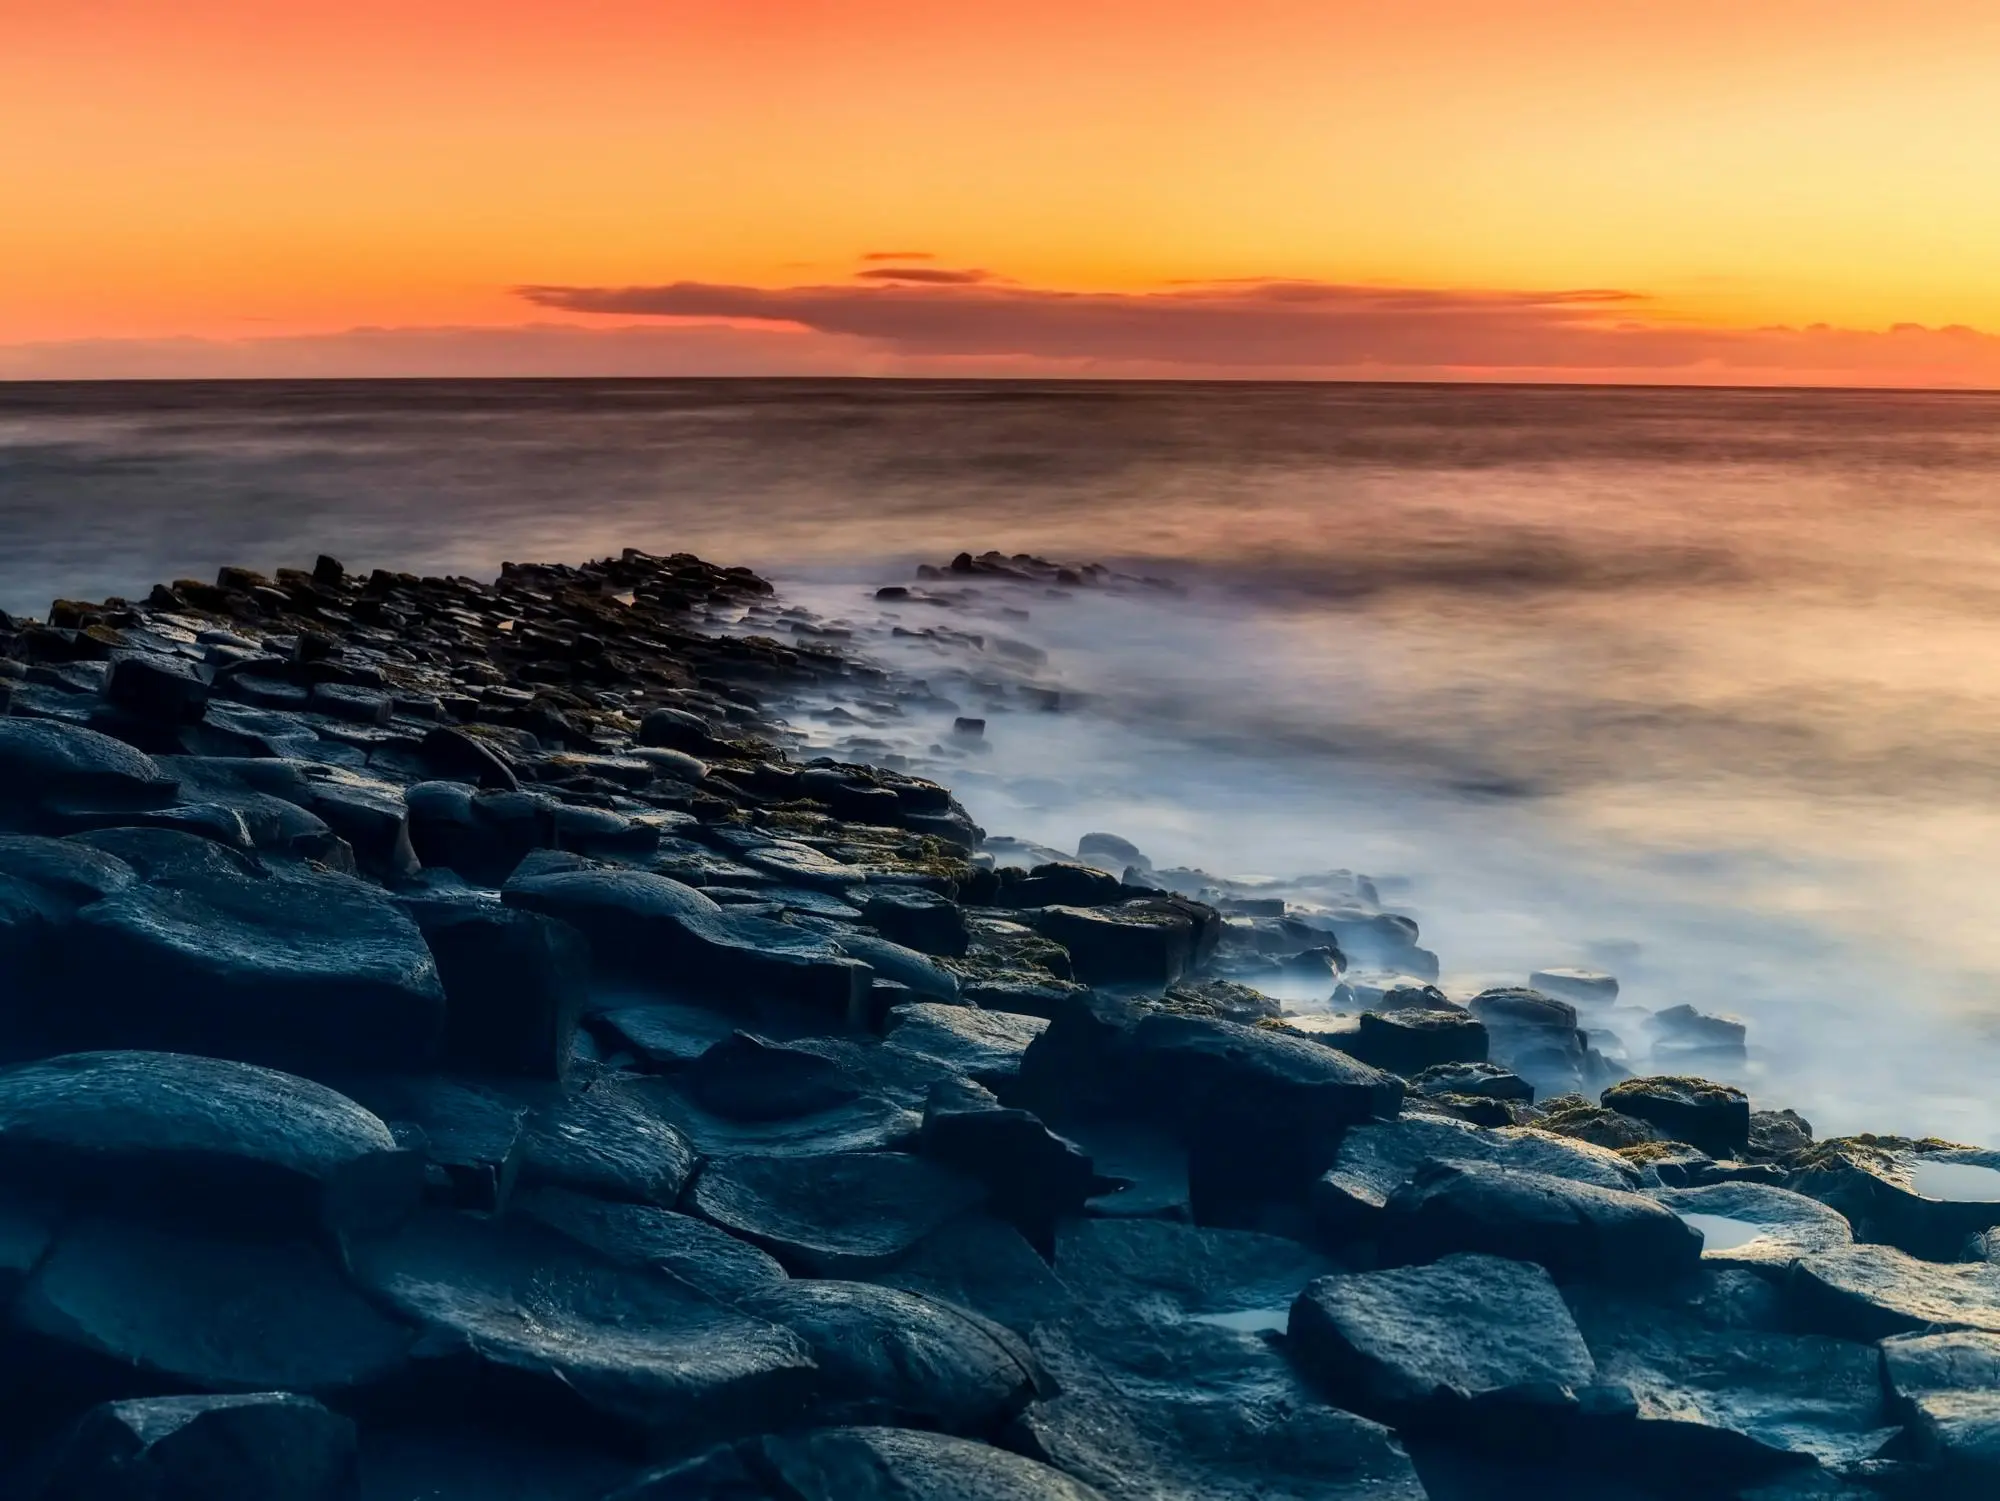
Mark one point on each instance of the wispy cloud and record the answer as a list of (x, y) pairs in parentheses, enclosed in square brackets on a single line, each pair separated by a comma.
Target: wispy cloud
[(899, 255), (931, 276), (1303, 327)]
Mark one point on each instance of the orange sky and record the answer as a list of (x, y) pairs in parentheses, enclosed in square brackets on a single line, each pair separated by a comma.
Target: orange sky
[(287, 171)]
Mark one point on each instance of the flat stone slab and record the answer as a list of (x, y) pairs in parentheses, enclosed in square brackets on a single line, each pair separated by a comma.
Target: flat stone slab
[(1402, 1344), (1871, 1292), (1731, 1401), (1191, 1427), (860, 1464), (837, 1215), (231, 1142), (985, 1046), (1147, 1270), (615, 1139), (1577, 1230), (1756, 1225), (534, 1306), (42, 760), (1948, 1387), (890, 1356), (653, 1239), (120, 1299), (303, 971), (1375, 1160)]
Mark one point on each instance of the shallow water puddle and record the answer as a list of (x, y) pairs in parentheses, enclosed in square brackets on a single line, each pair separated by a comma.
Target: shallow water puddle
[(1247, 1320), (1721, 1233), (1959, 1182)]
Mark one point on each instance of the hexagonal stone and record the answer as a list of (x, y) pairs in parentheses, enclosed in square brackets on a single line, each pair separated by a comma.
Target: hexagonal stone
[(1756, 1225)]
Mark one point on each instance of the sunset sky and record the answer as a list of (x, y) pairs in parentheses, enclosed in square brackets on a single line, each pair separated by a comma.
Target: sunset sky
[(1732, 190)]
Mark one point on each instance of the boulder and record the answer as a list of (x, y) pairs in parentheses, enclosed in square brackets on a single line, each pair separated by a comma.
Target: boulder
[(835, 1215), (124, 1307), (1946, 1387), (268, 1446), (1755, 1225), (663, 1036), (1108, 852), (745, 1077), (1534, 1035), (1577, 986), (648, 1238), (1375, 1160), (676, 729), (858, 1464), (1870, 1292), (616, 1140), (514, 986), (1481, 1080), (983, 1264), (302, 970), (659, 931), (171, 690), (1417, 1346), (202, 1138), (1921, 1198), (1578, 1231), (1712, 1117), (1064, 883), (526, 1322), (925, 978), (1135, 1272), (889, 1356)]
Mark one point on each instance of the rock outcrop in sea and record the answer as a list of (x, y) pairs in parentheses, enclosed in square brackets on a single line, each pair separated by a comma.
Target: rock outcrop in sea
[(453, 1050)]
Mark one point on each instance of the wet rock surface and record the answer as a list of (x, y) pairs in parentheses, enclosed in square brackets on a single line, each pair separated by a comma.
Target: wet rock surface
[(460, 1039)]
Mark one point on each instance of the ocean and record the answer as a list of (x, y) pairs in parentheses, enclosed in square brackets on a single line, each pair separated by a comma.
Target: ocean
[(1701, 687)]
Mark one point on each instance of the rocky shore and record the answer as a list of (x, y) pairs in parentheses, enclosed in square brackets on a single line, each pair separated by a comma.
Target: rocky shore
[(458, 1044)]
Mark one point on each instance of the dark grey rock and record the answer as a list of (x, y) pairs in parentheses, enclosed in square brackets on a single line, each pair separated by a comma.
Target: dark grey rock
[(465, 1462), (889, 1356), (867, 1124), (270, 1446), (1484, 1080), (1220, 1419), (985, 1046), (1756, 1225), (1064, 883), (1725, 1402), (44, 762), (658, 930), (1143, 1170), (1925, 1200), (834, 1215), (1031, 1175), (469, 1135), (676, 729), (152, 686), (514, 985), (986, 1265), (1150, 941), (1578, 986), (1377, 1159), (298, 970), (1712, 1117), (859, 1464), (1147, 1270), (222, 1141), (1408, 1042), (1870, 1292), (1577, 1230), (516, 1304), (455, 755), (123, 1305), (645, 1237), (664, 1036), (1947, 1388), (1108, 852), (745, 1077), (1534, 1035), (1417, 1345), (926, 979), (921, 920), (483, 835), (616, 1140)]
